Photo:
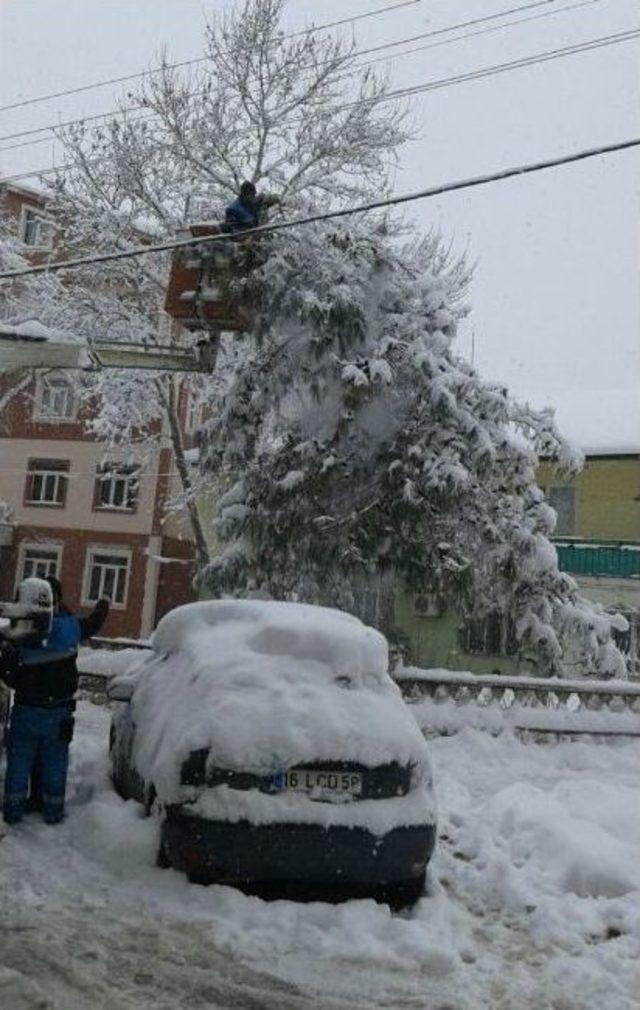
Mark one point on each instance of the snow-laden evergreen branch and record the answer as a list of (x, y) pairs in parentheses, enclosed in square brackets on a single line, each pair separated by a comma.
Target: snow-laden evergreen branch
[(356, 442)]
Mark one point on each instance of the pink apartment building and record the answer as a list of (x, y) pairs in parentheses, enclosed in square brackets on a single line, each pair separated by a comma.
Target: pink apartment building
[(74, 510)]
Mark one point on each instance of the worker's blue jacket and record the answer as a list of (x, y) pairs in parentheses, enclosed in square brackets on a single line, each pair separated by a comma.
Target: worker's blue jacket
[(47, 674), (240, 215)]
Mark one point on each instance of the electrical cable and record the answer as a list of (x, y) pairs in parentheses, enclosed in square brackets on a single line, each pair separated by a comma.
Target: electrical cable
[(426, 86), (424, 194), (467, 35), (525, 61), (363, 52), (199, 59), (356, 68)]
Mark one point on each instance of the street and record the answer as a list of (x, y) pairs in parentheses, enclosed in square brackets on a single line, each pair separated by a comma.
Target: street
[(536, 868)]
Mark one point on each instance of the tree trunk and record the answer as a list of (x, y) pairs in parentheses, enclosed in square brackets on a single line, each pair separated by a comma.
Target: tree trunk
[(169, 399)]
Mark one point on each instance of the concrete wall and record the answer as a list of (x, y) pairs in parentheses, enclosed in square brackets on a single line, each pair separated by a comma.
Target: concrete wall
[(434, 642), (78, 511), (607, 497)]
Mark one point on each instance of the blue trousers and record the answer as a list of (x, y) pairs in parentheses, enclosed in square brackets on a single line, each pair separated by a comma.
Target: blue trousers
[(35, 739)]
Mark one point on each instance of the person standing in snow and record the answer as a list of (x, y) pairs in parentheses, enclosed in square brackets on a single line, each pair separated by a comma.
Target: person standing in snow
[(45, 679)]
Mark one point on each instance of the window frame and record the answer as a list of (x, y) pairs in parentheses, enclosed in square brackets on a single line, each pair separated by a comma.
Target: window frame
[(114, 551), (42, 218), (61, 472), (39, 414), (563, 509), (28, 545), (492, 635), (112, 472)]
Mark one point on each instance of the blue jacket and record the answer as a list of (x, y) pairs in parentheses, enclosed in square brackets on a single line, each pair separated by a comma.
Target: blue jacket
[(240, 215), (47, 675)]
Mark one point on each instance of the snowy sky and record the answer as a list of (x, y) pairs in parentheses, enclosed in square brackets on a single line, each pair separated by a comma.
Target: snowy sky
[(556, 298)]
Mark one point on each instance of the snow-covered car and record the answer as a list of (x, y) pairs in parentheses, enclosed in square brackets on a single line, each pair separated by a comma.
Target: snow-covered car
[(277, 750)]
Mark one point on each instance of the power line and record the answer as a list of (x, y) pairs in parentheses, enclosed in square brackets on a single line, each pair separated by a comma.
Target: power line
[(426, 86), (363, 52), (467, 35), (424, 194), (199, 59), (525, 61), (358, 66)]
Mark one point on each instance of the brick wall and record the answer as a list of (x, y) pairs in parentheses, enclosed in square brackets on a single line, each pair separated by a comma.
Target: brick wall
[(175, 582), (74, 544)]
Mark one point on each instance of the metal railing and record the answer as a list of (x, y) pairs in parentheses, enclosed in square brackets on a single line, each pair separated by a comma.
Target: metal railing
[(449, 701)]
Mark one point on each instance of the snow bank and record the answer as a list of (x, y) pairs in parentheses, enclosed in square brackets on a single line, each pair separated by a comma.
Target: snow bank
[(109, 662), (532, 900), (267, 686)]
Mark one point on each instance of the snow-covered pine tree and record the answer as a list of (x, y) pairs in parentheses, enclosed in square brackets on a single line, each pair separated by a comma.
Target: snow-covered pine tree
[(357, 442)]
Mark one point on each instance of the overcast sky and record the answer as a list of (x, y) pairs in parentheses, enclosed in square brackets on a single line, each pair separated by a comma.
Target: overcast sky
[(556, 295)]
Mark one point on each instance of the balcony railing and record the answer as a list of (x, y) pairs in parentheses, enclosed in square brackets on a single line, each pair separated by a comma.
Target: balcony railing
[(613, 558)]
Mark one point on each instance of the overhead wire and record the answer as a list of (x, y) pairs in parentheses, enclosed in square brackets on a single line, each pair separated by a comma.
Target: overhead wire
[(471, 35), (424, 87), (424, 194), (200, 59), (525, 61), (355, 69), (363, 52)]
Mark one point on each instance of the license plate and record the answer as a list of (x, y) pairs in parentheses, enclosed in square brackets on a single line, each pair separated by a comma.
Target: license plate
[(321, 783)]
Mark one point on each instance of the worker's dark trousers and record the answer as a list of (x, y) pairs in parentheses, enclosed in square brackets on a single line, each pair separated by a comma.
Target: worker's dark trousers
[(37, 735)]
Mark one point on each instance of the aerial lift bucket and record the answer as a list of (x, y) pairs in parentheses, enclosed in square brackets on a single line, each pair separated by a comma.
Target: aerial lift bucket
[(197, 294)]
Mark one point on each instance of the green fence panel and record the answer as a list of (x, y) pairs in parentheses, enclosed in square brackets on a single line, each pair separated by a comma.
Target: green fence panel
[(621, 560)]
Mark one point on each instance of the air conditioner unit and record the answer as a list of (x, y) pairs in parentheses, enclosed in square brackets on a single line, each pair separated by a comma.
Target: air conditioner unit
[(426, 605)]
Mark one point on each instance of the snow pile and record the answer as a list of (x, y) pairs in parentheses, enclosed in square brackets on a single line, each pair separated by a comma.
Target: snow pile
[(267, 686), (110, 662), (532, 900)]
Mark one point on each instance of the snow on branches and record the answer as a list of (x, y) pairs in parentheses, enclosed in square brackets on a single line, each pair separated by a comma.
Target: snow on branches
[(355, 441)]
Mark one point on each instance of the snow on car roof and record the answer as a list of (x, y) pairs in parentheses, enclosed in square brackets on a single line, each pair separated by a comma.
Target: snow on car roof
[(332, 641), (266, 686)]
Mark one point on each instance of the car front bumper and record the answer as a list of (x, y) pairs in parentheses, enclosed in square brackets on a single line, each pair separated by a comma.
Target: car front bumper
[(295, 855)]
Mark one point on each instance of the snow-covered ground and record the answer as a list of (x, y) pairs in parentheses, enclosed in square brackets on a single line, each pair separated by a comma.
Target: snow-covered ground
[(533, 900)]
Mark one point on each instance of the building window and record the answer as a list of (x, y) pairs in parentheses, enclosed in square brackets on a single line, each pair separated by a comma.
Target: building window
[(107, 575), (116, 488), (47, 481), (36, 230), (38, 561), (563, 500), (492, 635), (55, 399)]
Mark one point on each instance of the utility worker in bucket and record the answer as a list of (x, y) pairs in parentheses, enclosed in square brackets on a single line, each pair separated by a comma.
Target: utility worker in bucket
[(45, 679), (247, 210)]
